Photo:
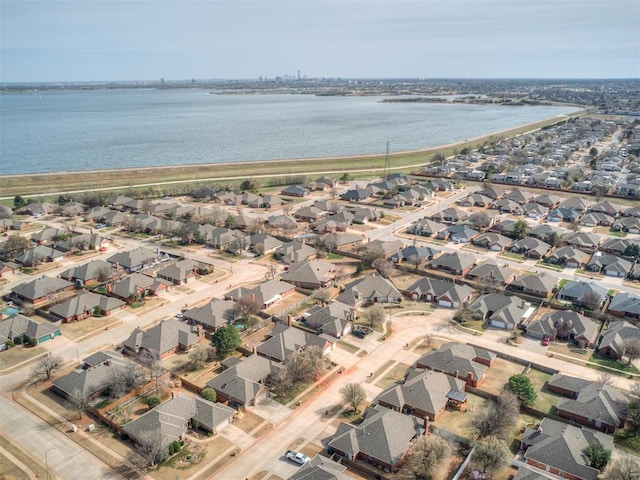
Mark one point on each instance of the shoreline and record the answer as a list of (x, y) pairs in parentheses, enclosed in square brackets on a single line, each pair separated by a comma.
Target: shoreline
[(26, 184)]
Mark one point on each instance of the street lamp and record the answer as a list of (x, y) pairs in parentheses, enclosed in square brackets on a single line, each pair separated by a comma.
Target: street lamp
[(46, 462)]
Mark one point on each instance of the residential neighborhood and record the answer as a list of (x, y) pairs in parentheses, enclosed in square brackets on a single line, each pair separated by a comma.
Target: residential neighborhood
[(348, 321)]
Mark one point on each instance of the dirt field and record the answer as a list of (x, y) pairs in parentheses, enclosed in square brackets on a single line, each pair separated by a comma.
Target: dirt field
[(76, 330), (499, 374), (395, 375), (18, 354), (9, 471), (248, 421)]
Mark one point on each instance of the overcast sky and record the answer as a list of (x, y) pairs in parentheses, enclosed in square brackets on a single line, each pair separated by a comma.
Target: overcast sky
[(88, 40)]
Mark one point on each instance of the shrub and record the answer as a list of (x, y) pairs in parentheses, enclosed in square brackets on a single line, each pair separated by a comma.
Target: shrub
[(209, 394), (153, 401)]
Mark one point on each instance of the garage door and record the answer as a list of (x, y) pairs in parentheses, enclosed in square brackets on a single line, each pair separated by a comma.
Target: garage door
[(444, 303)]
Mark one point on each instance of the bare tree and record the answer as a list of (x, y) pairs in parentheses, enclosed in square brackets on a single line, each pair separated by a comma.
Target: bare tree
[(427, 452), (323, 295), (280, 383), (625, 468), (304, 365), (104, 273), (287, 208), (605, 379), (124, 379), (353, 394), (373, 316), (78, 402), (198, 355), (45, 368), (491, 455), (151, 361), (632, 349), (369, 254), (498, 418), (415, 260), (15, 246), (591, 300), (150, 447), (383, 266), (246, 306)]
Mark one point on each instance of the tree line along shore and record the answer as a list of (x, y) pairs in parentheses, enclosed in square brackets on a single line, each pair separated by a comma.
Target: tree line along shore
[(42, 184)]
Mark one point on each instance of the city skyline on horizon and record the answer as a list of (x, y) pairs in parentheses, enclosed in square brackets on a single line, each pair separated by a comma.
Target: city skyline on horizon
[(133, 40)]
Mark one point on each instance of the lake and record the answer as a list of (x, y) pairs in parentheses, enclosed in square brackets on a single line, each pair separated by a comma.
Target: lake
[(101, 129)]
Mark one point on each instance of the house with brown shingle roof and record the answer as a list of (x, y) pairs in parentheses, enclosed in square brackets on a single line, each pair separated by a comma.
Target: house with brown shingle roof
[(460, 360), (164, 339), (42, 291), (285, 341)]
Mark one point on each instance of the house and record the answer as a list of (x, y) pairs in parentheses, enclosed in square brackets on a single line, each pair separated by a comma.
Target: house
[(84, 305), (592, 404), (568, 257), (136, 287), (174, 417), (285, 341), (458, 233), (530, 248), (311, 274), (565, 325), (135, 260), (46, 235), (476, 200), (492, 273), (577, 203), (492, 191), (610, 265), (607, 208), (42, 291), (424, 393), (459, 360), (164, 339), (426, 228), (83, 242), (449, 215), (89, 273), (563, 215), (519, 196), (296, 191), (20, 327), (40, 254), (320, 468), (593, 219), (414, 255), (549, 201), (242, 381), (223, 238), (546, 233), (266, 294), (369, 290), (492, 241), (557, 448), (440, 292), (587, 242), (356, 195), (501, 311), (310, 214), (335, 318), (614, 245), (614, 339), (264, 244), (582, 293), (215, 314), (8, 267), (534, 210), (627, 224), (625, 305), (295, 252), (539, 284), (340, 240), (385, 247), (456, 263), (180, 272), (381, 439), (323, 183), (94, 377)]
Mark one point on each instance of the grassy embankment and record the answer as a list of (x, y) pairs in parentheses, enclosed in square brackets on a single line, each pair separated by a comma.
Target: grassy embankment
[(125, 180)]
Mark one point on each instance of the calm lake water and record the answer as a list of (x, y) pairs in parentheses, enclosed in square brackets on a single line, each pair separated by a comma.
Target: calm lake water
[(100, 129)]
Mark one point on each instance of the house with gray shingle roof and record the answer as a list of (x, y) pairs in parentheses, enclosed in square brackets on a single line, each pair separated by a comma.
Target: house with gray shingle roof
[(614, 339), (295, 251), (530, 247), (414, 254), (267, 293), (40, 254), (492, 241), (382, 438), (440, 292), (135, 287), (339, 241), (519, 196), (458, 233), (578, 292), (424, 393), (615, 246), (578, 203), (285, 341), (369, 290), (610, 265), (18, 326), (335, 318), (215, 314), (42, 291), (529, 473), (173, 418), (460, 360), (94, 377), (84, 305), (46, 235), (545, 232), (426, 228), (606, 207), (134, 260), (311, 274), (456, 263), (592, 404), (321, 468), (492, 273), (587, 242), (568, 256), (595, 218), (385, 247), (539, 284), (242, 382), (88, 273), (565, 325), (501, 311), (625, 304), (164, 339), (558, 448), (264, 244)]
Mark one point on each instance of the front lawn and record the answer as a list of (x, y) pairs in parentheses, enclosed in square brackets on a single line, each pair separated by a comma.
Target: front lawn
[(620, 367)]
